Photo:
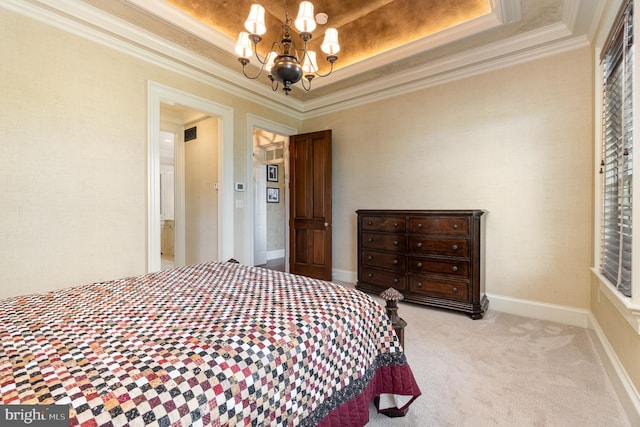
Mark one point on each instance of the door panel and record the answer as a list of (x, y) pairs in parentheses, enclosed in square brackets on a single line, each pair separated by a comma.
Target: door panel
[(310, 208)]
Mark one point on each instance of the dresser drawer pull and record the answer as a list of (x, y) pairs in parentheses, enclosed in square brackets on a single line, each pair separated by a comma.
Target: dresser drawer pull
[(369, 257), (419, 265), (419, 284), (396, 280), (395, 242), (454, 268), (420, 225), (419, 245), (395, 261), (370, 222), (395, 224), (369, 240), (455, 226), (454, 290), (454, 247), (370, 275)]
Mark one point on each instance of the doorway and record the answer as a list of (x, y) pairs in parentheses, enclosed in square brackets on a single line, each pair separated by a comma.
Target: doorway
[(270, 179), (188, 204), (167, 196), (223, 117), (257, 191)]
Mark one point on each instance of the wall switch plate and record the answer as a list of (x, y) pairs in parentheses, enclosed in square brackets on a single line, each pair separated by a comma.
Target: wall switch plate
[(239, 186)]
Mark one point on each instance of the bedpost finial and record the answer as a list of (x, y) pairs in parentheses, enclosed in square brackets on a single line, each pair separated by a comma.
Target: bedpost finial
[(392, 294)]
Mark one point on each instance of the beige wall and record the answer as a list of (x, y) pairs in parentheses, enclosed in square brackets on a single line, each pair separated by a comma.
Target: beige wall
[(516, 142), (201, 198), (73, 178)]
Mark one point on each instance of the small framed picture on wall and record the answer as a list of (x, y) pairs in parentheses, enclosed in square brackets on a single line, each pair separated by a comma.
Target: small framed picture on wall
[(272, 173), (273, 195)]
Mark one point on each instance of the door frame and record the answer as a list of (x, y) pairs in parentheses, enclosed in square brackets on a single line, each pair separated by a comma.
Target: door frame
[(156, 94), (179, 234), (254, 121)]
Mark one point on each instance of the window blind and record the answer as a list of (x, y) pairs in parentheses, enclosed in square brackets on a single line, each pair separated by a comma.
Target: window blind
[(617, 155)]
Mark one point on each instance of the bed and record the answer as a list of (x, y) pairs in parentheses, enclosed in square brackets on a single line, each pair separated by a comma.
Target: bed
[(211, 344)]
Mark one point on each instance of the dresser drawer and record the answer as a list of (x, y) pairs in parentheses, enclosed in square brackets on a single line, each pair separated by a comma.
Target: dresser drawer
[(435, 246), (434, 257), (449, 226), (389, 261), (439, 288), (384, 223), (449, 267), (383, 278), (389, 242)]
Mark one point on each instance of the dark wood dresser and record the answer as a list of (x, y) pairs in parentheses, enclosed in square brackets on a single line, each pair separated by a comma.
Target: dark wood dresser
[(433, 257)]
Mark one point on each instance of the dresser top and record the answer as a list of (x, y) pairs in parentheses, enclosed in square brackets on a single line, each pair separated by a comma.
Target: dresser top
[(474, 212)]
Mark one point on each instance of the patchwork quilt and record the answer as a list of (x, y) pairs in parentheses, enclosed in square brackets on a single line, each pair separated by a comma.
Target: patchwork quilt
[(212, 344)]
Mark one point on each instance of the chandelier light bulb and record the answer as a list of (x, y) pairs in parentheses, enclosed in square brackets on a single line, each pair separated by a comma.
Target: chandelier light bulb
[(310, 65), (330, 45), (255, 22), (270, 59), (243, 47), (305, 22)]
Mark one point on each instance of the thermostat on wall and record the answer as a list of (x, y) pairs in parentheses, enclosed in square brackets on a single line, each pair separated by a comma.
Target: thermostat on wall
[(239, 186)]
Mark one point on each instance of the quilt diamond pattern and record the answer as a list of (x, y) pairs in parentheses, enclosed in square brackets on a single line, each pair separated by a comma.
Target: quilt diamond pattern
[(211, 344)]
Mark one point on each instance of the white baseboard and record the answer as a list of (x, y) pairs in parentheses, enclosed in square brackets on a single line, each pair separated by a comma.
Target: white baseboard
[(539, 310), (344, 275), (275, 254)]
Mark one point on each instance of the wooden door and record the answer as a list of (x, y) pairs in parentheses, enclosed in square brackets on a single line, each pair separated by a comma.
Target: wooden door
[(310, 204)]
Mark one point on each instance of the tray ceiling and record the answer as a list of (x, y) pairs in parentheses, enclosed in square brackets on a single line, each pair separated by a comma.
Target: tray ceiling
[(385, 43)]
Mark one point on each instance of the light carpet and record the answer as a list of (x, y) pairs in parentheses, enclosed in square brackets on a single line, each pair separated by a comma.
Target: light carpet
[(503, 370)]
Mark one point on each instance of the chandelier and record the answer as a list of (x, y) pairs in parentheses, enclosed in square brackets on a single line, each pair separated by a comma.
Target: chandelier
[(284, 64)]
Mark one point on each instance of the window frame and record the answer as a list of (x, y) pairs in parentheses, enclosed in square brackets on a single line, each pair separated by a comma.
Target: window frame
[(629, 307)]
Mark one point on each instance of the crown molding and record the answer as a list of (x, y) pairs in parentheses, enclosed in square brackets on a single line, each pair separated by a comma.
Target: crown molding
[(183, 20), (507, 11), (91, 23), (526, 47), (502, 12), (86, 21), (441, 38)]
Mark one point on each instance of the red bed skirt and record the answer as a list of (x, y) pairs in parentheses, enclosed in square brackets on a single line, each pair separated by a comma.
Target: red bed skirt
[(395, 379)]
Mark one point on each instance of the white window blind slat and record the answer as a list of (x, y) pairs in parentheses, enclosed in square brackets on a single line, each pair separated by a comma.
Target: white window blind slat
[(617, 153)]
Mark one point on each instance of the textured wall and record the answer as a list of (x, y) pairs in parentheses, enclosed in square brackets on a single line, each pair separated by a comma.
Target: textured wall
[(73, 157), (201, 198), (516, 142)]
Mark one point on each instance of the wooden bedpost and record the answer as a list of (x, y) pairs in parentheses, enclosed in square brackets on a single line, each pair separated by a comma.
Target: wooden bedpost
[(392, 296)]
